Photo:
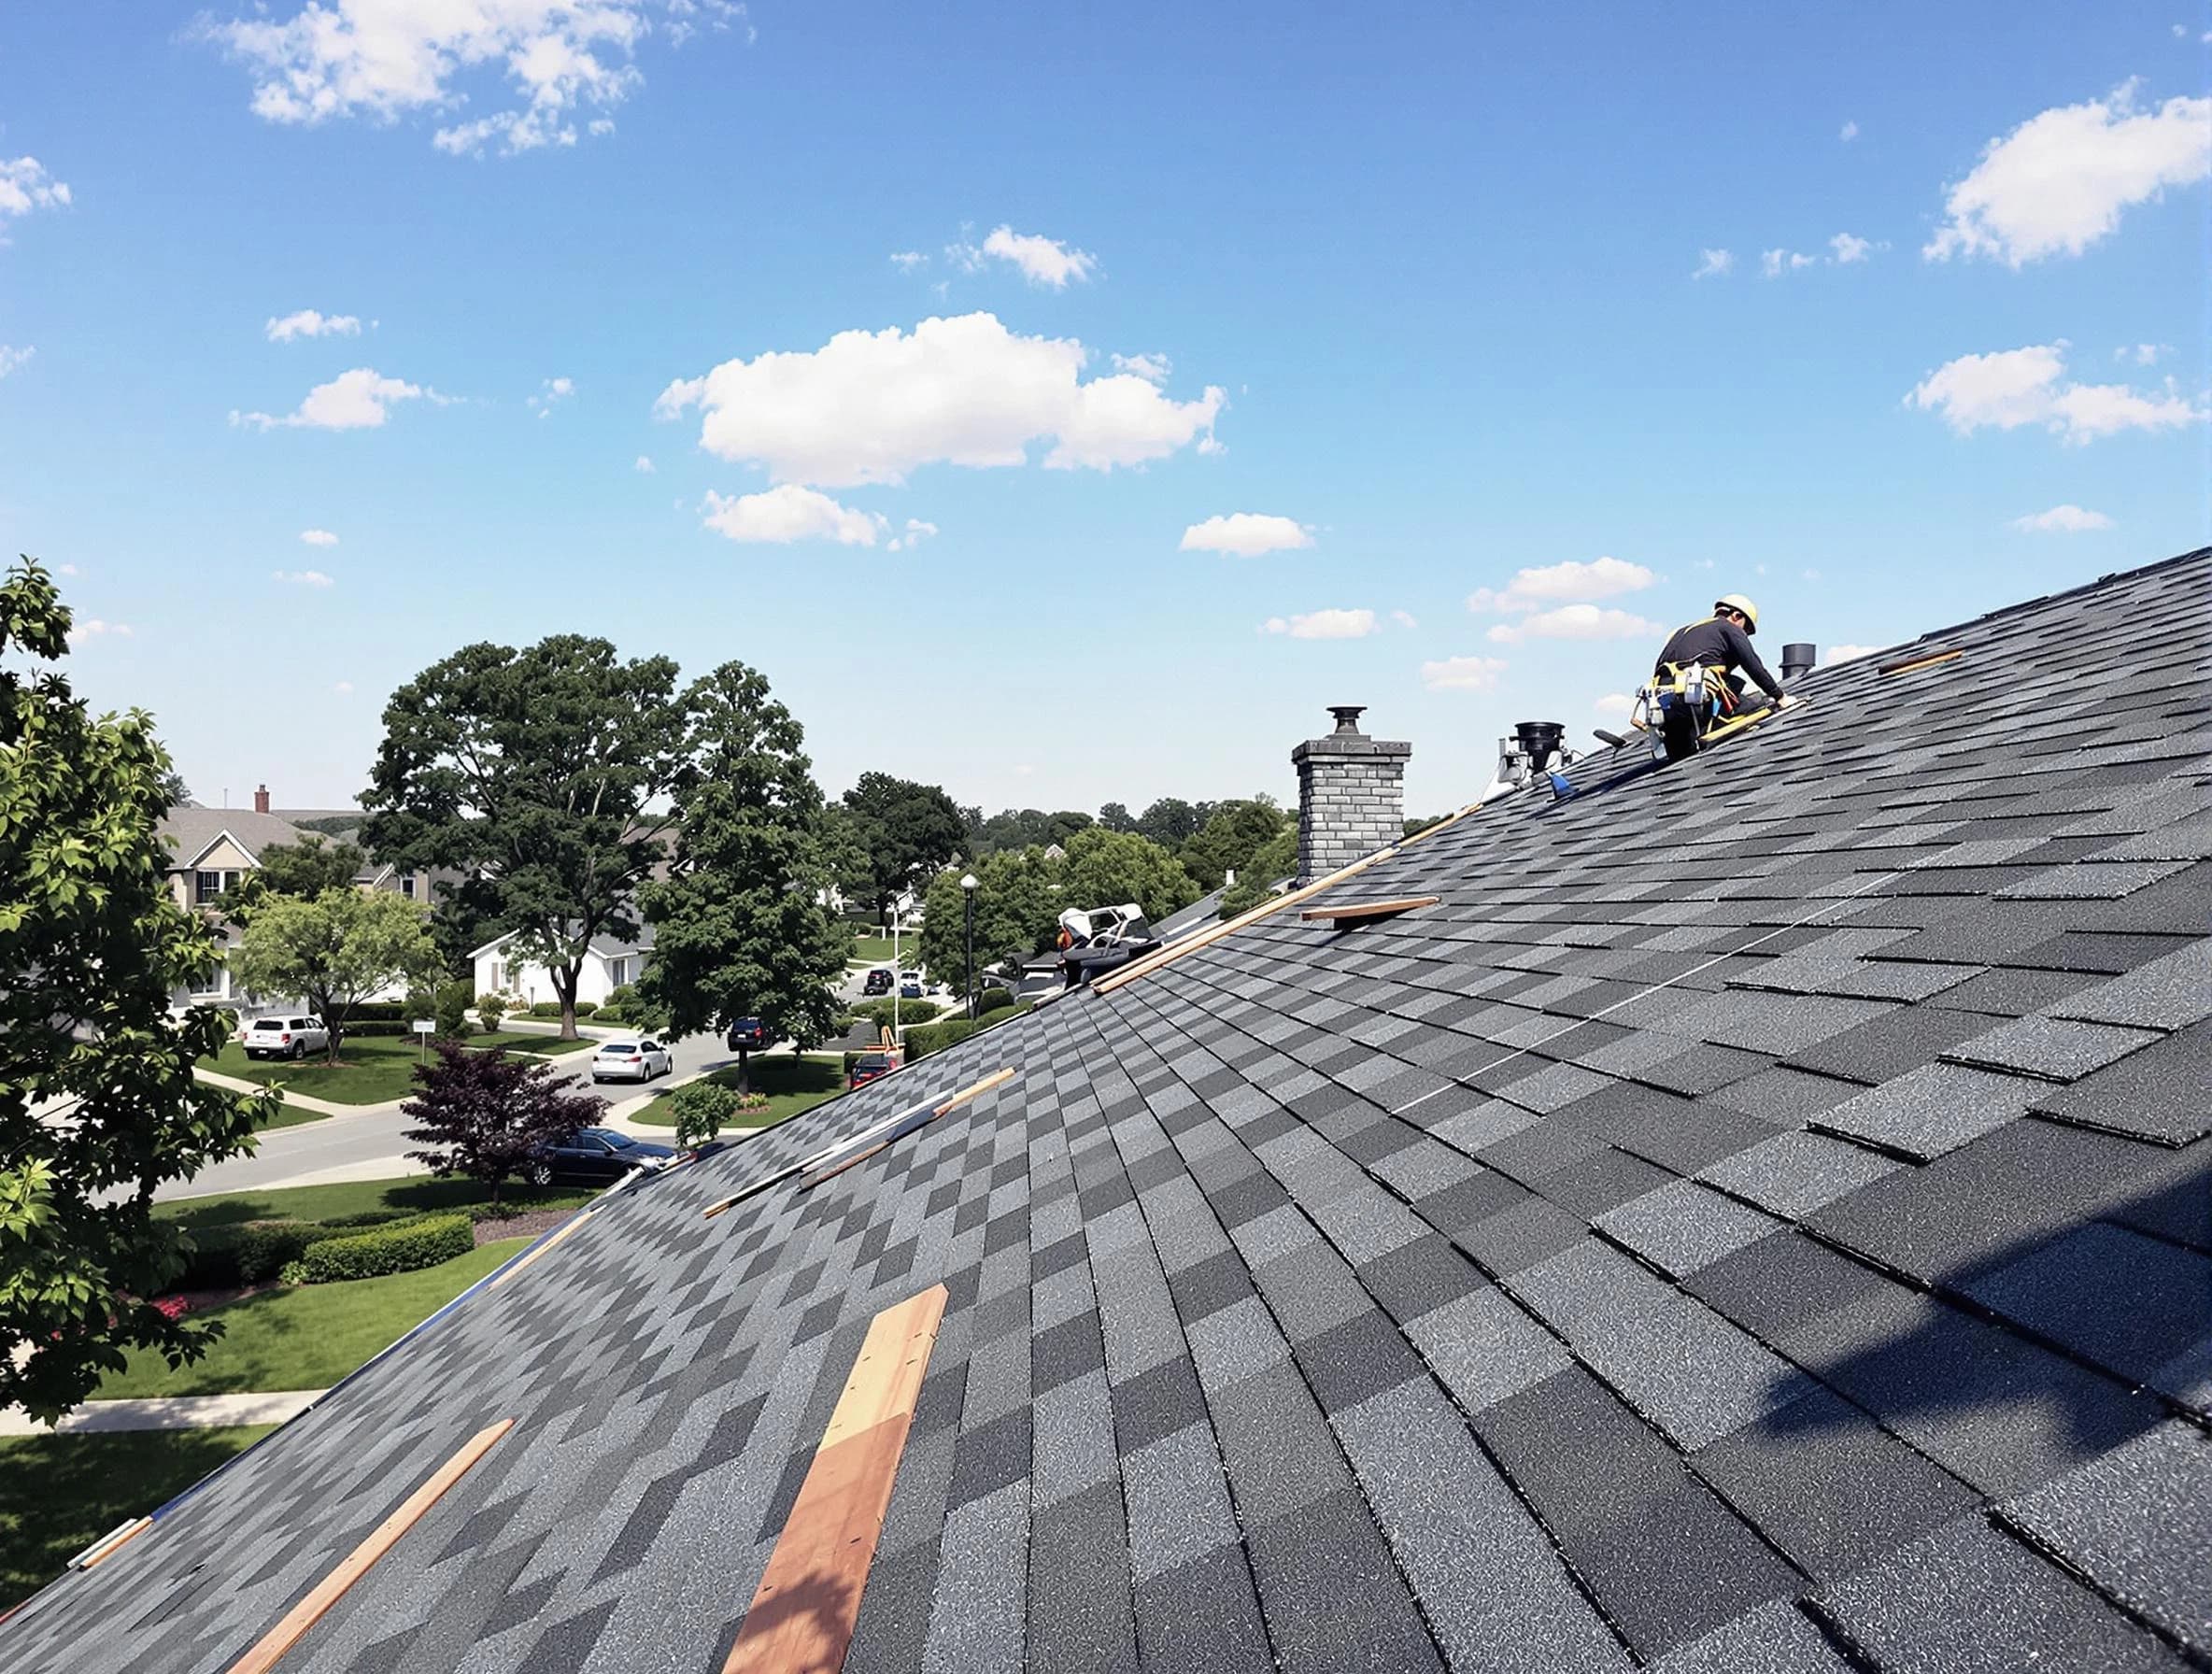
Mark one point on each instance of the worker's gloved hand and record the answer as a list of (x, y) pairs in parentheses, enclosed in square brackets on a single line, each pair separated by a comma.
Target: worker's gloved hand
[(1787, 702)]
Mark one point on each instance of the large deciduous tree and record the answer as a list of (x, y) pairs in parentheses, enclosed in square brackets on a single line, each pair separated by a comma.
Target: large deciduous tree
[(303, 869), (342, 948), (1229, 838), (1018, 904), (740, 928), (98, 1105), (487, 1115), (1104, 869), (903, 831), (1275, 860), (536, 774), (1171, 821)]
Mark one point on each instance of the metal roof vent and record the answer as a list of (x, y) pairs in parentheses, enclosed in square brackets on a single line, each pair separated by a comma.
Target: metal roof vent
[(1800, 657), (1539, 741)]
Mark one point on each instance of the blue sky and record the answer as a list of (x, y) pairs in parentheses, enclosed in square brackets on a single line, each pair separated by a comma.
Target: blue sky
[(1414, 290)]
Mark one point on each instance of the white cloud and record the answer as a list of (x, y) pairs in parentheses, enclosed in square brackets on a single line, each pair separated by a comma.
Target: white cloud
[(2057, 184), (1575, 622), (25, 185), (789, 512), (2027, 386), (870, 406), (381, 59), (1153, 369), (1849, 133), (1812, 574), (907, 260), (1562, 584), (1774, 263), (1210, 443), (913, 534), (553, 392), (1713, 265), (1324, 624), (1836, 653), (319, 537), (358, 400), (1614, 702), (2062, 519), (1042, 260), (305, 578), (13, 359), (1404, 618), (308, 323), (342, 687), (65, 570), (93, 628), (1849, 249), (1463, 673), (2143, 354), (645, 466), (1245, 535)]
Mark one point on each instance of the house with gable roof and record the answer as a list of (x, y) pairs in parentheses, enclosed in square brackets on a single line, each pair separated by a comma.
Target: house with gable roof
[(1750, 1214)]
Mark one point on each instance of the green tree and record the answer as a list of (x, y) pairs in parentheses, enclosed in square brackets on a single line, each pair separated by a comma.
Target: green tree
[(1018, 908), (536, 775), (1104, 869), (1229, 838), (342, 948), (738, 928), (1116, 817), (303, 870), (903, 832), (93, 946), (1171, 821), (1272, 862)]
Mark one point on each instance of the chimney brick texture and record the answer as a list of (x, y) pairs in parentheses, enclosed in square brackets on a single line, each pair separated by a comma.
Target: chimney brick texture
[(260, 799), (1351, 796)]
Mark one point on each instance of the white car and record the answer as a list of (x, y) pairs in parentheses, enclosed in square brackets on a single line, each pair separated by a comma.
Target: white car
[(284, 1036), (630, 1060)]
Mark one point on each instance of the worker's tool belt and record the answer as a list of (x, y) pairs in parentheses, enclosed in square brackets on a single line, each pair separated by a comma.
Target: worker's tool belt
[(1691, 686)]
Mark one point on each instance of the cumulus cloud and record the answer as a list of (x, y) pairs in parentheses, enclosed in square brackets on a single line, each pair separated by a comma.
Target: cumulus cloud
[(1575, 622), (342, 687), (305, 578), (1615, 703), (381, 59), (1404, 618), (2059, 182), (2028, 386), (1850, 249), (788, 513), (1322, 624), (913, 534), (91, 628), (1849, 133), (1836, 653), (1153, 369), (1567, 583), (1714, 264), (308, 322), (645, 466), (319, 537), (1774, 263), (870, 406), (553, 392), (1245, 535), (1042, 260), (2143, 354), (2062, 519), (907, 260), (1463, 673), (25, 185), (13, 359), (358, 400)]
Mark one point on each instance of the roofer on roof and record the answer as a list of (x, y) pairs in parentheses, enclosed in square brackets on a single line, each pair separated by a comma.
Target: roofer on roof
[(1718, 646)]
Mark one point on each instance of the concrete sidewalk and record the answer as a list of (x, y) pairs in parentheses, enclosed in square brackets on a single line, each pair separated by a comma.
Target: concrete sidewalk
[(167, 1413)]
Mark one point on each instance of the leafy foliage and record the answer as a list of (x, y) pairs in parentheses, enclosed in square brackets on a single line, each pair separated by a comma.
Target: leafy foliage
[(399, 1248), (738, 928), (701, 1108), (303, 870), (484, 1114), (1018, 904), (336, 950), (902, 833), (1104, 869), (1273, 861), (1171, 822), (92, 944), (1229, 838), (1019, 827), (1116, 817), (533, 773)]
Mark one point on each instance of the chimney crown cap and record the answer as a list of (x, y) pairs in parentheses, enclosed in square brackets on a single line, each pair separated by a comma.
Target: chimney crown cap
[(1347, 715)]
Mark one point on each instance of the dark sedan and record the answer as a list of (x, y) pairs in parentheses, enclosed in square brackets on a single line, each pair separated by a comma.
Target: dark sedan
[(596, 1156), (748, 1033)]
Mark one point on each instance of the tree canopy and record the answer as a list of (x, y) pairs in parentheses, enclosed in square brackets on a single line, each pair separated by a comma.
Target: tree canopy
[(1229, 838), (98, 1104), (1020, 828), (1104, 869), (303, 869), (902, 833), (537, 774), (336, 950), (740, 928), (1171, 822), (1020, 893), (1273, 861), (484, 1114)]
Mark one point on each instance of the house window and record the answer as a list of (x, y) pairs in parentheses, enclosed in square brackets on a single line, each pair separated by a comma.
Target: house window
[(408, 884), (619, 972), (206, 885), (206, 984)]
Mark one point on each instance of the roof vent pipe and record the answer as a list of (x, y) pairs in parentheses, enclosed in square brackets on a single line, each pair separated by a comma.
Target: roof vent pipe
[(1799, 659), (1539, 741)]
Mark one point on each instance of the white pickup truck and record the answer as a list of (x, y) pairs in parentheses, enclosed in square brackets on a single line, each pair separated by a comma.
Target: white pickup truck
[(284, 1036)]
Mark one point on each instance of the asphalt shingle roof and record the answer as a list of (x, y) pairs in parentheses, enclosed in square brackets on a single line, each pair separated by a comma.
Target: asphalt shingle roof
[(1759, 1219)]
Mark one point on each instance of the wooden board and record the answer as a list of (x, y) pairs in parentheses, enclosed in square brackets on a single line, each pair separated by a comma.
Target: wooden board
[(1924, 660), (802, 1617), (545, 1246), (332, 1587), (1369, 908)]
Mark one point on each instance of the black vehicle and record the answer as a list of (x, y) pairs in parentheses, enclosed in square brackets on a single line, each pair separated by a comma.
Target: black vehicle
[(867, 1066), (747, 1033), (595, 1157), (879, 982)]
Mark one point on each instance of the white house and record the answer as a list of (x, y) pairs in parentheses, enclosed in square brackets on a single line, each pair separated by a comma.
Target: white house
[(609, 963)]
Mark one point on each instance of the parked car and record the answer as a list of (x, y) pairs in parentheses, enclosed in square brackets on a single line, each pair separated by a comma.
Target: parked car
[(879, 982), (747, 1033), (910, 984), (867, 1066), (630, 1060), (596, 1156), (284, 1036)]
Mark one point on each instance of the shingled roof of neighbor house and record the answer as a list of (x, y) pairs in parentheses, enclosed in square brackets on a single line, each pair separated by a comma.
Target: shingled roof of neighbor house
[(1758, 1219)]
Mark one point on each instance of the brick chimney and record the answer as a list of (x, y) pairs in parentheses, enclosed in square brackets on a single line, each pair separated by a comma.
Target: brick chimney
[(260, 799), (1352, 795)]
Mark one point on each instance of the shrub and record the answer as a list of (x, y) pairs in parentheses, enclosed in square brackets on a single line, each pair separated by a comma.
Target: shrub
[(453, 1010), (994, 1000), (545, 1008), (877, 1013), (398, 1248), (376, 1027), (376, 1011), (584, 1008), (247, 1253), (701, 1109), (490, 1010), (920, 1042)]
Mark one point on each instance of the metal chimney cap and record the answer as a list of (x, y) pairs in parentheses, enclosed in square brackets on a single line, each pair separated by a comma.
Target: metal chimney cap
[(1347, 715)]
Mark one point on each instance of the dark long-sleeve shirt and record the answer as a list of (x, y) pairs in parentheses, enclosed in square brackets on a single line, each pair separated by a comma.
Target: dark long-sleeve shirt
[(1718, 645)]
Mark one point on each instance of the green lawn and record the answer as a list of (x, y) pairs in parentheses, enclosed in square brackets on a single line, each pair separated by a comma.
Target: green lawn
[(876, 950), (792, 1085), (346, 1199), (58, 1493), (371, 1069), (520, 1040), (309, 1335)]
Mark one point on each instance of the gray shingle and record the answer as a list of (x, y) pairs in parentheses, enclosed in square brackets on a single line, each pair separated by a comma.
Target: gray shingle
[(2167, 993), (1937, 1108), (1682, 1227), (1484, 1348), (2052, 1047), (1794, 1174)]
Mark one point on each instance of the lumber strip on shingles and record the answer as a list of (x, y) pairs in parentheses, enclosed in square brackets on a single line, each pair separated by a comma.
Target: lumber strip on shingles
[(912, 1125), (1922, 660), (107, 1545), (802, 1614), (545, 1246), (1369, 909), (270, 1646)]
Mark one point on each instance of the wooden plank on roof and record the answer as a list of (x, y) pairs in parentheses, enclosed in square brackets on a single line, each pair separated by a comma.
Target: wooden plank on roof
[(803, 1612), (1355, 910), (1920, 660)]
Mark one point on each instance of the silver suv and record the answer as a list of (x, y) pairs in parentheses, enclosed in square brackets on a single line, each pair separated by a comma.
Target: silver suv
[(284, 1036)]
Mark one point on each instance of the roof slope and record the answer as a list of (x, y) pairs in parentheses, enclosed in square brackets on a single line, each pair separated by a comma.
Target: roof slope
[(1764, 1210)]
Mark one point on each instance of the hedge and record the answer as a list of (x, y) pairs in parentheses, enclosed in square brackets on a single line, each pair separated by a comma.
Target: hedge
[(936, 1037), (222, 1257), (551, 1008), (399, 1248), (994, 1000), (878, 1012)]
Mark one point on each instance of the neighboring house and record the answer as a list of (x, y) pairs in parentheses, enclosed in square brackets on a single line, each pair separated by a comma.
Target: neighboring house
[(1752, 1214), (608, 964)]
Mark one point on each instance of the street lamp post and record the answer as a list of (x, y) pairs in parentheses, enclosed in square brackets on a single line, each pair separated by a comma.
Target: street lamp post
[(968, 888)]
